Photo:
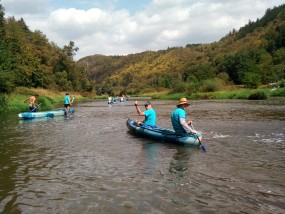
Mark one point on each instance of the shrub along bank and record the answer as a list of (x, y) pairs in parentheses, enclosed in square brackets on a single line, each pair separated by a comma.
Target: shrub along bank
[(250, 94), (48, 99)]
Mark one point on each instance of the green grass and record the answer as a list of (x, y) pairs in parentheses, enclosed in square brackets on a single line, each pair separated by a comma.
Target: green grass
[(227, 94), (279, 92), (47, 99)]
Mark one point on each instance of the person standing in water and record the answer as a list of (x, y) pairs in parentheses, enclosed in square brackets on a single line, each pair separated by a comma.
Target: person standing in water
[(32, 102), (67, 102)]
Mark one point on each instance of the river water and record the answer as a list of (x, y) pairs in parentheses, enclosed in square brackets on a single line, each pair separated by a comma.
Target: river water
[(90, 163)]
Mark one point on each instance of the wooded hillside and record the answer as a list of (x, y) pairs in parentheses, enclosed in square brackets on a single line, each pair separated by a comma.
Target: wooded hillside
[(253, 55), (28, 59)]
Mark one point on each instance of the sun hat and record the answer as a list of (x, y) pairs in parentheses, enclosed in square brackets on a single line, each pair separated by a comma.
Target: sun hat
[(183, 101)]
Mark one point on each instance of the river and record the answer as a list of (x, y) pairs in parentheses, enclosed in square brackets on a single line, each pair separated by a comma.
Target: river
[(90, 163)]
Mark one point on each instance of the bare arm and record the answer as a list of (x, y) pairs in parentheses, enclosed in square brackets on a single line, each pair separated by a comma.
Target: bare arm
[(138, 109)]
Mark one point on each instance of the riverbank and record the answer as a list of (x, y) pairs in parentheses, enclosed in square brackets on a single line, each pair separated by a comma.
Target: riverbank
[(248, 94), (49, 99)]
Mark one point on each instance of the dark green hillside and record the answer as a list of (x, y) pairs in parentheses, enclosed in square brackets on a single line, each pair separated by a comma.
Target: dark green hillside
[(28, 59), (252, 56)]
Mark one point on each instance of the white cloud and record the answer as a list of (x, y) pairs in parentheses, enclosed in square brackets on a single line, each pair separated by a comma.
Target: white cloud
[(161, 24)]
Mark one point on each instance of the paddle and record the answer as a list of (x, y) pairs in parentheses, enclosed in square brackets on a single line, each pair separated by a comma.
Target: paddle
[(202, 146)]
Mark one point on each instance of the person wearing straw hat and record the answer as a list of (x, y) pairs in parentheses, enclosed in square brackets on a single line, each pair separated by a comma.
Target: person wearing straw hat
[(178, 120), (149, 115)]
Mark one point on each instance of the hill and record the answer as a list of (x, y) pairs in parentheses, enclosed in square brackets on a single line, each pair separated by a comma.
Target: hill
[(253, 55), (29, 59)]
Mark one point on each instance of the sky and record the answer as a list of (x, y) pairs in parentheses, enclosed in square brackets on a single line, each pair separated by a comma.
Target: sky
[(121, 27)]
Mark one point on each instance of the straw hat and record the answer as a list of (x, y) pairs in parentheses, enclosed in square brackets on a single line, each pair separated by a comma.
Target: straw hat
[(183, 101)]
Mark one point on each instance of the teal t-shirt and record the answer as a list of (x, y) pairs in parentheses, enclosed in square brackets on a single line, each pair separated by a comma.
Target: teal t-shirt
[(150, 117), (175, 116), (66, 99)]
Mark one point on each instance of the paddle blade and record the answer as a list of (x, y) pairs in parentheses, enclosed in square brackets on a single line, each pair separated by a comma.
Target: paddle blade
[(203, 147)]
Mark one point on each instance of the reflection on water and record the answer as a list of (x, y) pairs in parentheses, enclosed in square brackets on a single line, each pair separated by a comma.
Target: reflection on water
[(90, 163)]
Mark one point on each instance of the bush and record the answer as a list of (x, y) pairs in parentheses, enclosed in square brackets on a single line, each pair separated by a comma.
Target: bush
[(192, 87), (251, 80), (3, 103), (281, 84), (211, 85), (279, 92), (179, 87), (44, 103), (258, 95)]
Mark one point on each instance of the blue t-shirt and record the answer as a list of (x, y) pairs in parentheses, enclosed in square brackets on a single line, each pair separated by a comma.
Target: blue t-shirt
[(66, 99), (150, 117), (175, 120)]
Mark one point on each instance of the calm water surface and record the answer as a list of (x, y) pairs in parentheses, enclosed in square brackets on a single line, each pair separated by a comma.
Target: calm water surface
[(89, 163)]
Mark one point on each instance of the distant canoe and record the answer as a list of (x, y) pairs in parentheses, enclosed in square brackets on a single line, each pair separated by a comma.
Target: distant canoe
[(41, 114)]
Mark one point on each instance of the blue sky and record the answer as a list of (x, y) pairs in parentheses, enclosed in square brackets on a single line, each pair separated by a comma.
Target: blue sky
[(131, 5), (120, 27)]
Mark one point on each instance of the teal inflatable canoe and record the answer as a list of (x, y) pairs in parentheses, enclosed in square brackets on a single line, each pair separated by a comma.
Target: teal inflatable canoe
[(162, 134), (41, 114)]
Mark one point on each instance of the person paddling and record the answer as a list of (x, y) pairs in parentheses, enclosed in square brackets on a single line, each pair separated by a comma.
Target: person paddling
[(178, 120)]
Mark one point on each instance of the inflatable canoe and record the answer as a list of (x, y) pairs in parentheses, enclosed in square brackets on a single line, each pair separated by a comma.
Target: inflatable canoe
[(162, 134), (41, 114)]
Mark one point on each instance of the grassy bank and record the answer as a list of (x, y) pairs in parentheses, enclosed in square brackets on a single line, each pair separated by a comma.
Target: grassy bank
[(47, 99), (249, 94)]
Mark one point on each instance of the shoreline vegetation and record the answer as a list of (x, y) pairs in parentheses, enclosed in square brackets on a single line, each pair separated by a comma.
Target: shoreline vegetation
[(49, 99)]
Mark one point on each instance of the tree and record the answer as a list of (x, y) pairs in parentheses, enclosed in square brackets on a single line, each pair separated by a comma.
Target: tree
[(251, 79), (70, 50)]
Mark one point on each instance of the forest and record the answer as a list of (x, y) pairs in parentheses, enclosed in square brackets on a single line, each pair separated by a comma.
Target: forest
[(29, 59), (252, 56)]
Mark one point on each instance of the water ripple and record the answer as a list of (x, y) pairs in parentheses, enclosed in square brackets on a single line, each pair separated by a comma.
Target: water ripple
[(89, 163)]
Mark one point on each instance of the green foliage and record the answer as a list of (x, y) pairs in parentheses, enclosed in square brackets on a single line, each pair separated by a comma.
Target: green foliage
[(211, 85), (133, 88), (258, 95), (279, 92), (252, 56), (251, 79), (44, 102), (23, 91), (281, 83), (224, 77), (3, 103), (28, 59), (172, 96), (269, 16)]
